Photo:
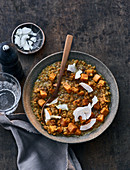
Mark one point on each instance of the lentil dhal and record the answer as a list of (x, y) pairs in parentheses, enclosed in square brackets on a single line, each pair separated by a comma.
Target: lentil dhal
[(62, 121)]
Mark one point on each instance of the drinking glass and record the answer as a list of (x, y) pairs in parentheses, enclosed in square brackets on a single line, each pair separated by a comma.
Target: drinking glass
[(10, 93)]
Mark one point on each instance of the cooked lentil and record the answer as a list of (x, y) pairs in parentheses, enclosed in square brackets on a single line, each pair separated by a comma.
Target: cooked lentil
[(72, 94)]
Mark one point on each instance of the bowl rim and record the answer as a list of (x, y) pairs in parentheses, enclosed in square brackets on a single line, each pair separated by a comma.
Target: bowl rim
[(28, 23), (79, 139)]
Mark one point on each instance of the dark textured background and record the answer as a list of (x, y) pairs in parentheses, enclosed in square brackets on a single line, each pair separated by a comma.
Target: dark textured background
[(100, 28)]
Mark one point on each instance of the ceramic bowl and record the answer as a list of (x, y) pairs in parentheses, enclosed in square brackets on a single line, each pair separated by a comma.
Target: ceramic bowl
[(101, 68), (40, 38)]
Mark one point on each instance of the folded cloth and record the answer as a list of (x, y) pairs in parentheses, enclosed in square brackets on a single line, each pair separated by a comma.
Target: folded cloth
[(36, 152)]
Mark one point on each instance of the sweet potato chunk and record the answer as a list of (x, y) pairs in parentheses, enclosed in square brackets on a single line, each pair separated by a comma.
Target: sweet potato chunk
[(97, 106), (101, 82), (72, 127), (67, 87), (52, 76), (76, 102), (92, 115), (96, 77), (89, 72), (100, 118), (104, 111), (75, 90), (81, 93), (84, 77), (78, 132), (41, 102), (85, 102), (43, 94), (64, 122)]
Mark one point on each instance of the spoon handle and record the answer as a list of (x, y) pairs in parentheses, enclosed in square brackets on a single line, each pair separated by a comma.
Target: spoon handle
[(66, 51)]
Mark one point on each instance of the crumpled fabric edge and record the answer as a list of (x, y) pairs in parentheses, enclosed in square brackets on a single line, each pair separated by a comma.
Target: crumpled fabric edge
[(71, 160)]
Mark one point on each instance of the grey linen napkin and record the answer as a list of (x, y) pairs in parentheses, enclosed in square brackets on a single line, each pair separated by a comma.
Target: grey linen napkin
[(36, 152)]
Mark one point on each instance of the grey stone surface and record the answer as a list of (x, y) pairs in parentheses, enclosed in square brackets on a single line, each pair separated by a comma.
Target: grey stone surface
[(100, 28)]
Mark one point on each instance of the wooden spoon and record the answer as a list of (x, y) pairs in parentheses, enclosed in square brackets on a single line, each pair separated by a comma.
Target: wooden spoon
[(66, 51)]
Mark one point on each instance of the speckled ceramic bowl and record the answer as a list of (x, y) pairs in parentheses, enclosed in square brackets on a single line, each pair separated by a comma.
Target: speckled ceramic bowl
[(101, 68), (36, 45)]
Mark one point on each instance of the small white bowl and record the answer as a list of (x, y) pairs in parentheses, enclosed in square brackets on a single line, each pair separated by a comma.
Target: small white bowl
[(36, 45)]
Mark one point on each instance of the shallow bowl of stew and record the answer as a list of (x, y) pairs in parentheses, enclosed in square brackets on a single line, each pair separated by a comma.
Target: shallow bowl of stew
[(100, 67)]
